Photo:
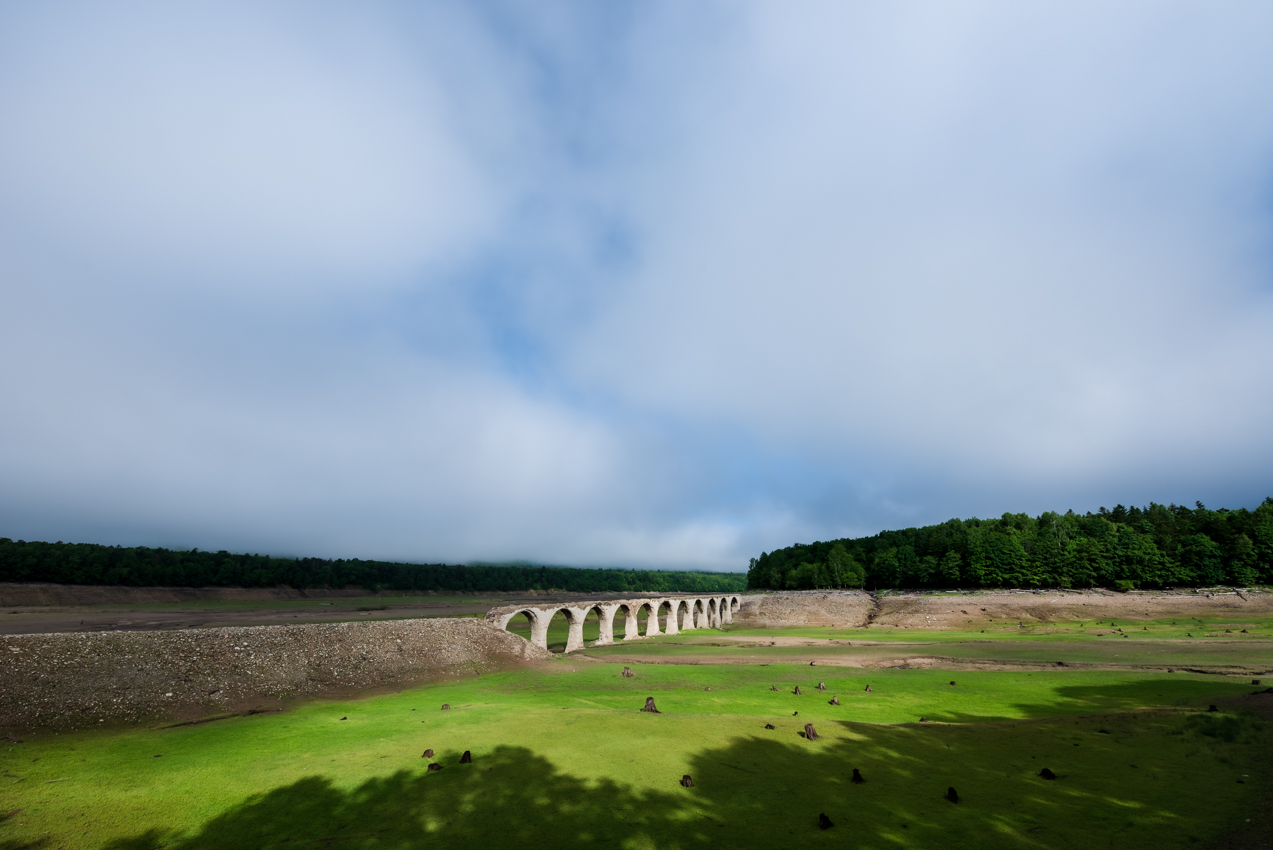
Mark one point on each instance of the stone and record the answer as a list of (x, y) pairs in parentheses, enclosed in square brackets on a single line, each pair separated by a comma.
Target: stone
[(952, 795), (810, 733), (1047, 774), (649, 706), (835, 700), (824, 822), (857, 777), (686, 781), (446, 706), (427, 754), (467, 758), (434, 766)]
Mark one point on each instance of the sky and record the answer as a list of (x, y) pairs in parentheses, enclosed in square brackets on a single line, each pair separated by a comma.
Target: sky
[(638, 284)]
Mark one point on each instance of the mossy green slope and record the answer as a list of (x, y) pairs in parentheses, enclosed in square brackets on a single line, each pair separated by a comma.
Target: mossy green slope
[(563, 758)]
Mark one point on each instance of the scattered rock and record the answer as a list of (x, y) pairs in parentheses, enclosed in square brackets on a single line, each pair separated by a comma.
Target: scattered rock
[(1169, 670), (427, 754), (810, 733), (649, 706), (857, 777), (686, 781), (467, 758), (824, 822), (952, 795), (1047, 774), (434, 766), (835, 700)]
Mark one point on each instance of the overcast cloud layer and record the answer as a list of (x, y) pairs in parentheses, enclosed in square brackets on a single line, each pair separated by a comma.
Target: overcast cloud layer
[(626, 284)]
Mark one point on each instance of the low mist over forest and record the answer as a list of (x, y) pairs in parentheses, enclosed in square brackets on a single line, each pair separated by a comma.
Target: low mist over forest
[(141, 566), (1124, 548)]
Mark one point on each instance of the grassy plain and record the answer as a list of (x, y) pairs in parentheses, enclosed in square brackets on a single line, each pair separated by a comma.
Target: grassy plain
[(563, 758)]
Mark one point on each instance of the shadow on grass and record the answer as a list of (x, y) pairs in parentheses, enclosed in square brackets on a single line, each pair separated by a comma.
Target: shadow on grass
[(767, 790)]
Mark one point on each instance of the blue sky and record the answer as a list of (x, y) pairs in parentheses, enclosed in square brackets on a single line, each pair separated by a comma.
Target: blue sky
[(643, 284)]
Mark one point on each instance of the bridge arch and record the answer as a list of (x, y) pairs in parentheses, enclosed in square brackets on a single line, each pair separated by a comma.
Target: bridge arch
[(664, 615)]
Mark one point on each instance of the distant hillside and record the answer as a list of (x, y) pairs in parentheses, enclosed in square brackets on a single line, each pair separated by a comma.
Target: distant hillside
[(89, 563), (1124, 548)]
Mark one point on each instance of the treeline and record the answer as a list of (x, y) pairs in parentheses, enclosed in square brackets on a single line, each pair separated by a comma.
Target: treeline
[(139, 566), (1123, 548)]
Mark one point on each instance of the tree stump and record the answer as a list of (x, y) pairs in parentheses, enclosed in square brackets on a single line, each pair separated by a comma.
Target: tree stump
[(857, 777), (707, 688), (627, 673), (813, 663), (769, 726), (952, 795), (952, 683), (773, 687), (1047, 774), (795, 714), (835, 700), (1212, 708), (427, 754), (446, 706), (824, 822), (434, 766), (686, 782), (868, 689), (810, 733), (467, 758), (344, 718), (797, 691), (1255, 681), (649, 706), (923, 719), (822, 686)]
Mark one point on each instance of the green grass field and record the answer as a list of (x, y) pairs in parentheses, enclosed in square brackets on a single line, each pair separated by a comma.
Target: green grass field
[(562, 757)]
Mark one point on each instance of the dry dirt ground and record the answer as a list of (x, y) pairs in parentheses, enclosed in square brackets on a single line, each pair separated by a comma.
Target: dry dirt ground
[(49, 608), (967, 611)]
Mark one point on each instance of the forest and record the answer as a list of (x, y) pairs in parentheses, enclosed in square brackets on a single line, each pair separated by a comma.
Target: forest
[(1120, 548), (90, 563)]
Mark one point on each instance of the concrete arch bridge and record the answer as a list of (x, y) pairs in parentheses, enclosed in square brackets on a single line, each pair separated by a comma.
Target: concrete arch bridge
[(668, 615)]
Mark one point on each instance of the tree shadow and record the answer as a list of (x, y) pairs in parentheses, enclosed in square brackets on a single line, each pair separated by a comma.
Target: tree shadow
[(765, 790), (511, 796)]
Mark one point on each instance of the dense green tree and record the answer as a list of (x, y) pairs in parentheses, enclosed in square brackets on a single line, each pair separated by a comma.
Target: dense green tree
[(1155, 546)]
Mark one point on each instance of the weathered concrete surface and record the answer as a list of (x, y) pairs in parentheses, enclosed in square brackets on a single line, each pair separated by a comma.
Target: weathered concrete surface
[(79, 679), (677, 613)]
